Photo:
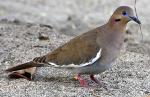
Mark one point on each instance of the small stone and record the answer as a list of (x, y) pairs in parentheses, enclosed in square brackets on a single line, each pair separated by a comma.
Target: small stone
[(147, 92), (128, 32), (126, 39), (45, 25), (69, 18), (4, 20), (16, 21), (43, 36)]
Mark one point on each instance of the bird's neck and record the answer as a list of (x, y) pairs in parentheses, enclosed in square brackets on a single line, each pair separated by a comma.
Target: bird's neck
[(115, 34)]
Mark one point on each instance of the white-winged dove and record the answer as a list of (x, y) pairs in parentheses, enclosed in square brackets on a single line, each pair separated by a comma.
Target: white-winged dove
[(90, 53)]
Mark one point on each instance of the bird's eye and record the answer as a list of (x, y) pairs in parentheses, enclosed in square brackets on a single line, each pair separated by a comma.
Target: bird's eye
[(124, 13)]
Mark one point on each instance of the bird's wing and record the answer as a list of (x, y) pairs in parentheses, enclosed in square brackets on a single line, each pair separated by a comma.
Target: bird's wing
[(80, 51)]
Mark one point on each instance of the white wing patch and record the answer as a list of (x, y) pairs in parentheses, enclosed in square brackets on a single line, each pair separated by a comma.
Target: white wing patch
[(91, 61)]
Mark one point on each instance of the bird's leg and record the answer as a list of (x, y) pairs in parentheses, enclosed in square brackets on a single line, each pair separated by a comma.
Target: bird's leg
[(98, 82), (94, 79), (81, 81)]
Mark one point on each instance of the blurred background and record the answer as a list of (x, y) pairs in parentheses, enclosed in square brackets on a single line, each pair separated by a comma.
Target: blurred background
[(72, 17)]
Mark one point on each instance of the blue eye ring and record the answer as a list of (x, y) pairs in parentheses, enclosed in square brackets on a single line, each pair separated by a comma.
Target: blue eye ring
[(124, 13)]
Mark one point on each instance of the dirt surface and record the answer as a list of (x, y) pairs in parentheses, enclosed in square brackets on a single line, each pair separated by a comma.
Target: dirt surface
[(70, 17), (21, 23)]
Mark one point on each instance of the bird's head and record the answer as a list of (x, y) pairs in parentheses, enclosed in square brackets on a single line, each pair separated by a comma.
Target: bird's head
[(123, 15)]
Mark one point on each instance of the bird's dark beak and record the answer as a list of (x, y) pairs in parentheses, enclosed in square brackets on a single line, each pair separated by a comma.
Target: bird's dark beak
[(135, 19)]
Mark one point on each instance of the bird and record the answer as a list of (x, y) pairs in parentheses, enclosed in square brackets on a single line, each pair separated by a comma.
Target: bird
[(90, 53)]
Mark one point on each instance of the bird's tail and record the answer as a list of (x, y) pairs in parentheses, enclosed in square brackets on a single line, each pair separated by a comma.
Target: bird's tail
[(25, 66)]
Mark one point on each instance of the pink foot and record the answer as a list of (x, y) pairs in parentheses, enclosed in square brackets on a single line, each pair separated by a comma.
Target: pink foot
[(81, 81), (98, 82)]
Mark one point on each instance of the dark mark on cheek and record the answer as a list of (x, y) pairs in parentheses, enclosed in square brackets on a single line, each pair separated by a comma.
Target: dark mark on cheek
[(117, 20)]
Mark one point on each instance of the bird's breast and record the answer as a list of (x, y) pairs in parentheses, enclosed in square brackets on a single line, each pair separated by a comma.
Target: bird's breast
[(113, 50)]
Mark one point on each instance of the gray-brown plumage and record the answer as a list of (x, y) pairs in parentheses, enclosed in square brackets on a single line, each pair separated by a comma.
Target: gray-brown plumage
[(92, 52)]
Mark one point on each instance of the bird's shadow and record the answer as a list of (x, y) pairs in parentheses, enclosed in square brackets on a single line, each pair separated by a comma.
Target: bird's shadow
[(67, 80), (61, 80)]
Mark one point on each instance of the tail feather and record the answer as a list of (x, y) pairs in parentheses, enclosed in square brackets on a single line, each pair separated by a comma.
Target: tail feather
[(24, 66)]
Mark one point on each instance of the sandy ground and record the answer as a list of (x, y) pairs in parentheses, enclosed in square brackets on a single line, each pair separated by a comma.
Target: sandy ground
[(129, 76)]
